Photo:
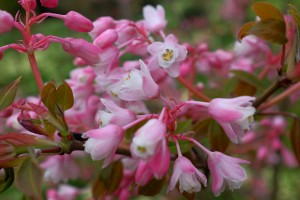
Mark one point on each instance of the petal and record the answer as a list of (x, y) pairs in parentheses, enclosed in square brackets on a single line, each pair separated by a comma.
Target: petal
[(174, 70), (182, 52), (171, 39), (110, 105), (150, 88), (155, 48), (229, 132), (217, 177)]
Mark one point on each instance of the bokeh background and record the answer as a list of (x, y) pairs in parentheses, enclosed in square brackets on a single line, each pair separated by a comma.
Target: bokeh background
[(194, 21)]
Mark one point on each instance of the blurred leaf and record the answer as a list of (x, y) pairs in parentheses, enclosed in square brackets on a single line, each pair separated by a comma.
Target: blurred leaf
[(295, 13), (65, 99), (48, 96), (271, 30), (248, 78), (229, 86), (8, 94), (189, 196), (243, 88), (29, 179), (265, 10), (185, 146), (109, 180), (183, 126), (152, 188), (201, 127), (244, 30), (218, 139), (295, 137), (8, 180)]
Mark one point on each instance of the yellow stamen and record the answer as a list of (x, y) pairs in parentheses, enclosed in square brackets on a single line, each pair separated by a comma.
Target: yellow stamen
[(141, 149), (168, 55)]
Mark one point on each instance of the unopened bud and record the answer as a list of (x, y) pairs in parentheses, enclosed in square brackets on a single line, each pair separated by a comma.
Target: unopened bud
[(28, 5), (6, 21), (49, 3), (78, 22), (106, 39)]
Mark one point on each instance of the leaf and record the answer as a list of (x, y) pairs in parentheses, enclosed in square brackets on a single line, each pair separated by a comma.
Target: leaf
[(8, 180), (152, 188), (244, 89), (295, 137), (29, 179), (217, 138), (271, 30), (265, 10), (201, 127), (185, 146), (295, 13), (109, 180), (48, 96), (244, 30), (8, 94), (248, 78), (183, 126), (65, 99)]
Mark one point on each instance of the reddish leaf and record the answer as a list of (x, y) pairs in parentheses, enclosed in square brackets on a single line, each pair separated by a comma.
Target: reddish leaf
[(295, 138), (65, 99), (48, 96), (8, 94), (243, 88), (218, 139), (266, 10), (152, 188)]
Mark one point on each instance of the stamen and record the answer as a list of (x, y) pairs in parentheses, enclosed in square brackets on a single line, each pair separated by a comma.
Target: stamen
[(168, 55)]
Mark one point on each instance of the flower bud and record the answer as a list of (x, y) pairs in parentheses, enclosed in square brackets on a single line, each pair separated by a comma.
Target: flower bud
[(6, 21), (49, 3), (28, 5), (78, 22), (106, 39)]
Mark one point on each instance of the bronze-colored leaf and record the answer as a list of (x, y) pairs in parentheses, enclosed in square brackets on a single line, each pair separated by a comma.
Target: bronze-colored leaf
[(266, 10), (8, 94), (271, 30), (8, 180), (295, 137), (244, 30), (218, 139), (48, 96), (65, 99), (152, 188)]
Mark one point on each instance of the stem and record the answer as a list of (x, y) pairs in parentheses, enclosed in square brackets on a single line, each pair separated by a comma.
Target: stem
[(177, 146), (138, 121), (204, 104), (35, 71), (274, 87), (197, 144), (281, 96), (275, 180), (192, 89)]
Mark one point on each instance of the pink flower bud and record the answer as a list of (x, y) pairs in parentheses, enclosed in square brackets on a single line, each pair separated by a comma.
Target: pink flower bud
[(6, 21), (154, 18), (106, 39), (78, 22), (102, 24), (49, 3), (28, 5)]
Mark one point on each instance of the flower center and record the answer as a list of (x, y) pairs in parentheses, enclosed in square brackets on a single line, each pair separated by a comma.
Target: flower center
[(127, 77), (250, 119), (168, 55), (141, 149)]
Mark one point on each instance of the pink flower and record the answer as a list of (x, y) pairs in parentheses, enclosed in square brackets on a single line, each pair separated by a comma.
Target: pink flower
[(78, 22), (106, 39), (100, 25), (154, 18), (168, 55), (49, 3), (225, 170), (65, 192), (60, 167), (116, 115), (137, 85), (188, 176), (147, 139), (102, 143), (234, 115), (6, 21)]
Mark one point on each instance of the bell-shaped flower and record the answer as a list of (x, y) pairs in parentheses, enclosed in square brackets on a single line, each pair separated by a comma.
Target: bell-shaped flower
[(154, 18), (188, 176), (225, 170), (168, 55), (6, 21), (137, 85), (102, 143), (49, 3), (234, 115), (60, 167), (116, 115), (148, 139)]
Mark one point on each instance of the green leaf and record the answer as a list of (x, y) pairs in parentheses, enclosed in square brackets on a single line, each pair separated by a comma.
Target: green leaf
[(295, 137), (271, 30), (8, 94), (65, 99), (265, 10), (8, 180), (217, 138), (244, 30), (48, 96), (201, 127), (152, 188), (185, 146), (248, 78), (183, 126), (29, 179)]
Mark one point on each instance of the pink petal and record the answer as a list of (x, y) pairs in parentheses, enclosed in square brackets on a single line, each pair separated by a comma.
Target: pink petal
[(155, 48)]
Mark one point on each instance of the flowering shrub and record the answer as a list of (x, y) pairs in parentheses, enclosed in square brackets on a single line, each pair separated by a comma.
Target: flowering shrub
[(126, 128)]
